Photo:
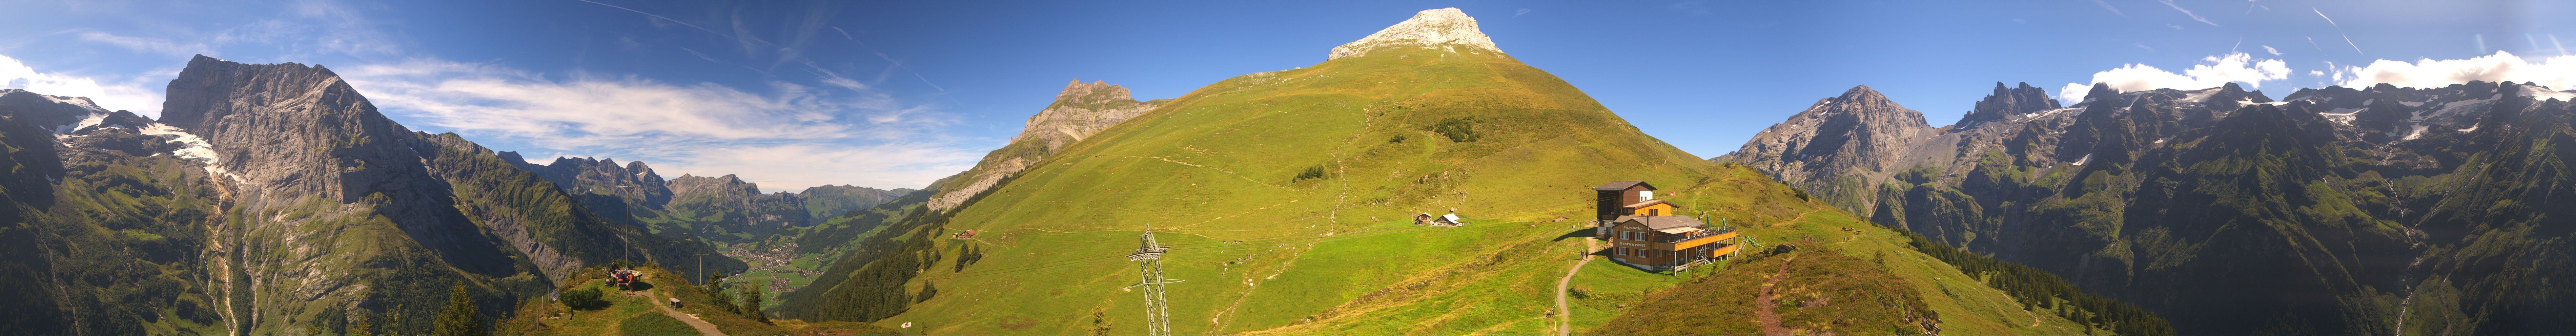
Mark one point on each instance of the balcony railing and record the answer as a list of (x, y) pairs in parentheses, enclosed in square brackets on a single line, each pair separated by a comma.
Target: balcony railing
[(1694, 235)]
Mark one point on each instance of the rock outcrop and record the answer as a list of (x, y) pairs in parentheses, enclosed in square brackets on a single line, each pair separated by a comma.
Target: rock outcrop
[(2006, 102), (1078, 112), (1445, 28)]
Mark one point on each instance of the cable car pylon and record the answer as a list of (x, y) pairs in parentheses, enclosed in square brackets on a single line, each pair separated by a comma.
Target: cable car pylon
[(1149, 259)]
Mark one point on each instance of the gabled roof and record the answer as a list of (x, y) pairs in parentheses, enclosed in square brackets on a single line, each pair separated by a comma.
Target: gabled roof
[(1623, 185), (1662, 222), (1644, 204)]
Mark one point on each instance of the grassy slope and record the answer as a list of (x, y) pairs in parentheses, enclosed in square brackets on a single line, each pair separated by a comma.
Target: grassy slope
[(1818, 292), (1331, 255), (633, 313)]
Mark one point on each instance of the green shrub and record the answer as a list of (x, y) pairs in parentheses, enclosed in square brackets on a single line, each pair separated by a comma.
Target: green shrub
[(1314, 172), (1460, 129), (587, 298)]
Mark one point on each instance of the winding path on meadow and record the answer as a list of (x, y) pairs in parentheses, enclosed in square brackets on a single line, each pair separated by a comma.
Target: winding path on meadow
[(1565, 315), (1765, 311), (704, 328)]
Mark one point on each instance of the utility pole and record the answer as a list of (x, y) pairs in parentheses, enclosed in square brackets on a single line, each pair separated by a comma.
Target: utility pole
[(702, 268), (629, 209), (1149, 257)]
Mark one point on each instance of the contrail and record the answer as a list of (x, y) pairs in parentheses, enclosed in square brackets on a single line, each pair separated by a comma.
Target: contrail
[(2107, 5), (2194, 17), (889, 59), (2347, 38), (2562, 48), (683, 23)]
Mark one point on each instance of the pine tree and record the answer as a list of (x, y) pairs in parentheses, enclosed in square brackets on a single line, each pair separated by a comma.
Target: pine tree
[(460, 317), (751, 301), (927, 290)]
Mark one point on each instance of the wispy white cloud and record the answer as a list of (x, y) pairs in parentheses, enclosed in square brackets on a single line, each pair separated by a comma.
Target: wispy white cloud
[(1519, 12), (146, 44), (332, 27), (2213, 72), (2268, 49), (787, 135), (2187, 12), (128, 95), (304, 30), (2555, 72)]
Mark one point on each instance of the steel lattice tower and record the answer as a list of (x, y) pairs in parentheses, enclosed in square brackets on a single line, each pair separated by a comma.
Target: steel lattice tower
[(1149, 256)]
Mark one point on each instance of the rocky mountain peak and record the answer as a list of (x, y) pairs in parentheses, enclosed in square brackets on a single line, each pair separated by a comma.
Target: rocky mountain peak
[(1096, 92), (294, 130), (1434, 28), (1081, 110), (1860, 130), (2005, 102)]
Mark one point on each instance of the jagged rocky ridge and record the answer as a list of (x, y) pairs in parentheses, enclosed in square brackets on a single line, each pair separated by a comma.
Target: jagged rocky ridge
[(722, 209), (2338, 211), (273, 198)]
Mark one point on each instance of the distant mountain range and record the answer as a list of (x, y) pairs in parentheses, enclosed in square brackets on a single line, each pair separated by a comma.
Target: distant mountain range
[(275, 199), (2379, 210), (723, 209)]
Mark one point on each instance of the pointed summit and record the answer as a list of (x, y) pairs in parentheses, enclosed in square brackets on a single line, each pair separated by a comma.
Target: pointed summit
[(1434, 28), (1096, 92)]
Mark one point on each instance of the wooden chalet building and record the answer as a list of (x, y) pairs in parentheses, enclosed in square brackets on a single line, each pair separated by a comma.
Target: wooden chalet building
[(1647, 234)]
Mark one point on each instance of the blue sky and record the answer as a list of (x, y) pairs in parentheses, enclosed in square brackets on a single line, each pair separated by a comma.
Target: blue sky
[(895, 94)]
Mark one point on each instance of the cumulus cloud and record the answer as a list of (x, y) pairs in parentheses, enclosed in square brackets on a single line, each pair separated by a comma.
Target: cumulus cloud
[(2555, 72), (786, 135), (128, 95), (2213, 72)]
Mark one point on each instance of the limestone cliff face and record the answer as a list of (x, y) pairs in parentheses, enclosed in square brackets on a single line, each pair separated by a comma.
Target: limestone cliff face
[(1445, 28), (1078, 112), (287, 131), (1853, 136)]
